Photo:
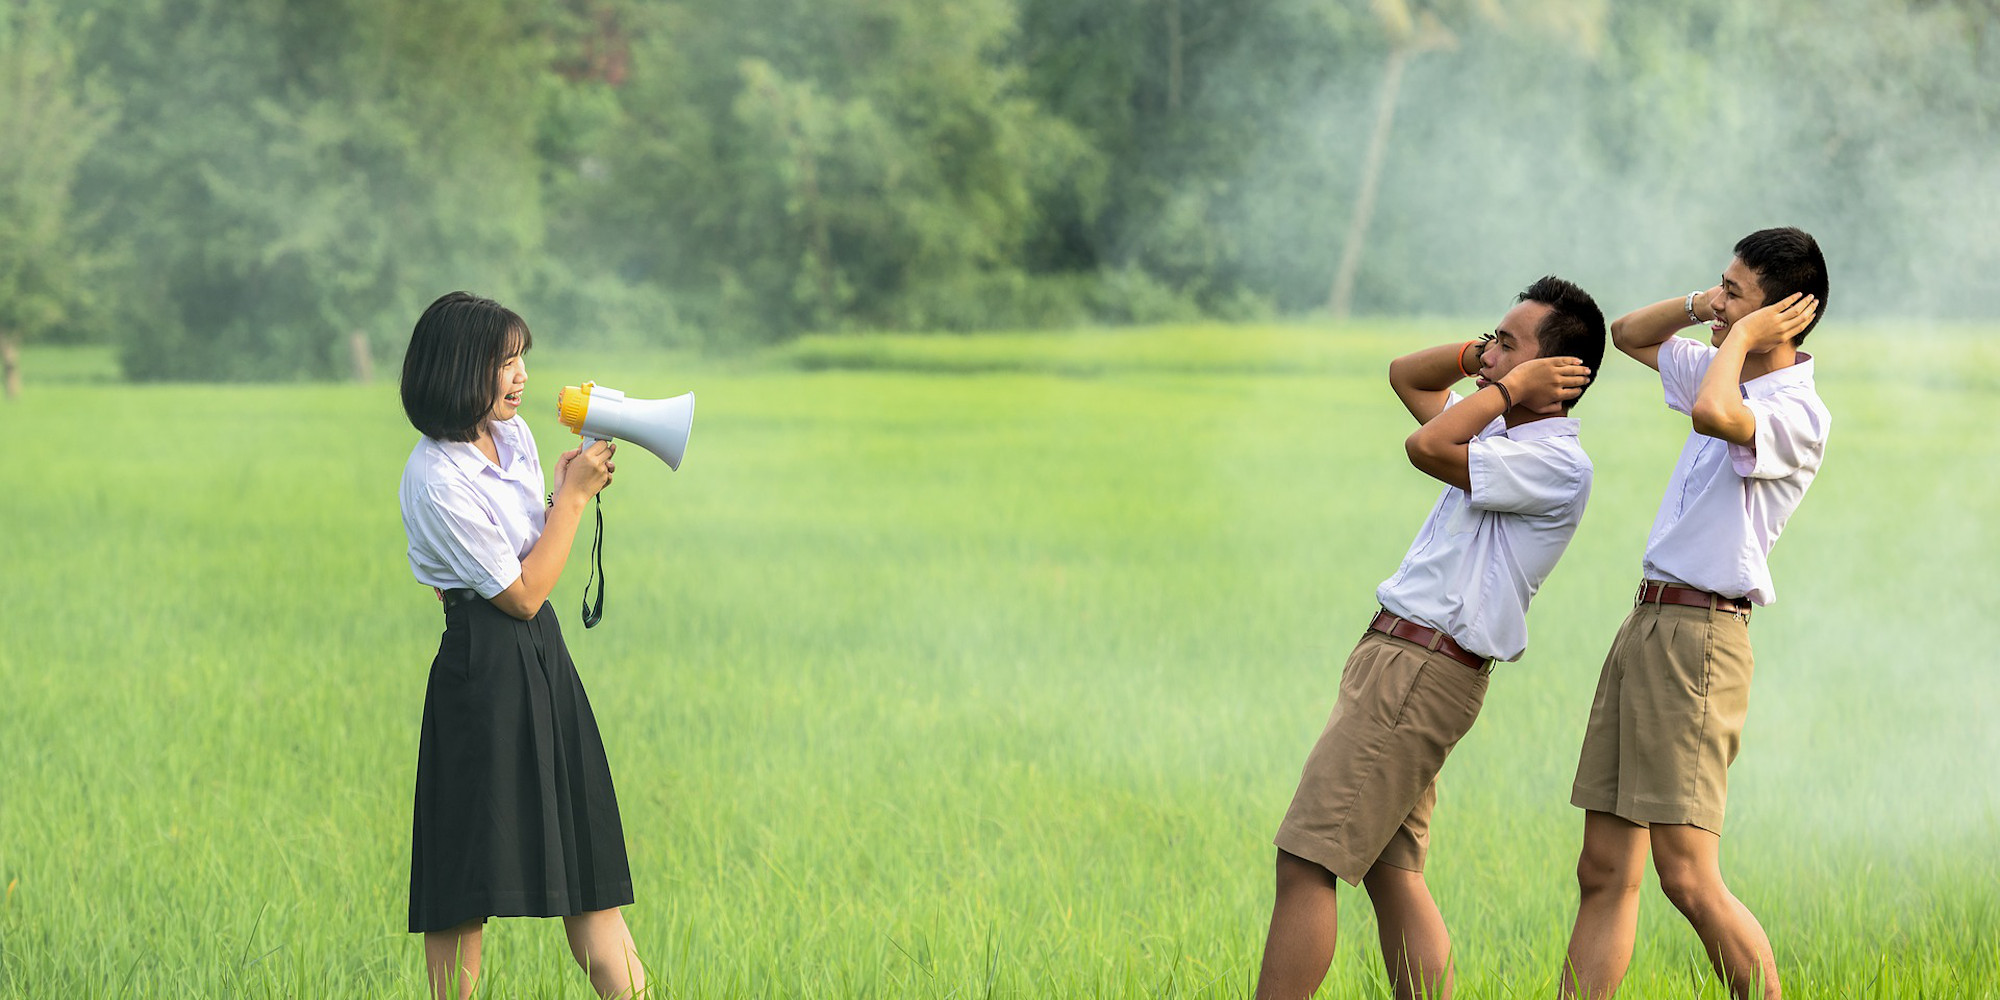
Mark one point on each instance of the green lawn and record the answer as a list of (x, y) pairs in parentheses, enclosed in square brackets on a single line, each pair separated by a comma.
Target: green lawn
[(956, 667)]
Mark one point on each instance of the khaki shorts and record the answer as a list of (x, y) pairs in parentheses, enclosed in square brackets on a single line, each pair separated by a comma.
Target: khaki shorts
[(1371, 781), (1668, 717)]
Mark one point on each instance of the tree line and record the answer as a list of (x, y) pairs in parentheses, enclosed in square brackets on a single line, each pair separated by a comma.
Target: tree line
[(271, 189)]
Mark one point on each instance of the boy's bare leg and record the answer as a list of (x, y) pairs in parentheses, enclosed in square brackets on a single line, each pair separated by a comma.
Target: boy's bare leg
[(602, 944), (1415, 945), (451, 959), (1609, 873), (1689, 860), (1304, 920)]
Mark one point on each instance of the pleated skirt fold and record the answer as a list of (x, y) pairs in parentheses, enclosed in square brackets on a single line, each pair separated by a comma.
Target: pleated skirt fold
[(515, 813)]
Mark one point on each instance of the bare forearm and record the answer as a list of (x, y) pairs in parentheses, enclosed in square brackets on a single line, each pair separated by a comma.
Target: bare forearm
[(1459, 424), (1422, 379), (543, 565), (1650, 326), (1440, 448), (1434, 369), (1718, 409)]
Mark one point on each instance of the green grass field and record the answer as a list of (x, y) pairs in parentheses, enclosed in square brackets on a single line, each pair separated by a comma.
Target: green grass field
[(957, 667)]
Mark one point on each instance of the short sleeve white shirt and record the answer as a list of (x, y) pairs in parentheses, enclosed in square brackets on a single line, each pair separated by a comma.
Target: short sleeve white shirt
[(1727, 503), (1481, 555), (470, 522)]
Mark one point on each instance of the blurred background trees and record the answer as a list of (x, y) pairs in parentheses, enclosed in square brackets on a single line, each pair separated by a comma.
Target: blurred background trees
[(50, 115), (249, 189)]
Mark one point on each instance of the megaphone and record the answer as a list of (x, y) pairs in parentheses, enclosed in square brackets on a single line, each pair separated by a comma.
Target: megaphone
[(658, 425)]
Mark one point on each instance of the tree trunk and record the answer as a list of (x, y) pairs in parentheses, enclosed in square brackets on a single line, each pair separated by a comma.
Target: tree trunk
[(362, 357), (1341, 302), (10, 364), (818, 241)]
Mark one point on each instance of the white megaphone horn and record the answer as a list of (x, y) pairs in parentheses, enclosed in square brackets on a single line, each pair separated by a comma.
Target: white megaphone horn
[(658, 425)]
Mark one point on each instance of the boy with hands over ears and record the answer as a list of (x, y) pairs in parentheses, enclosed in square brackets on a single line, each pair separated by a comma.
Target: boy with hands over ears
[(1667, 717), (1515, 483)]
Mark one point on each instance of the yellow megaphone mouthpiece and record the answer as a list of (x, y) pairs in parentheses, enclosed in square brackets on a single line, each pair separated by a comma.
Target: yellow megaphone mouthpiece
[(573, 405)]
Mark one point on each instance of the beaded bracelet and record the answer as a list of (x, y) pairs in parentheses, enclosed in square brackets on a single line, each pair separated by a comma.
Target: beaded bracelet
[(1689, 306)]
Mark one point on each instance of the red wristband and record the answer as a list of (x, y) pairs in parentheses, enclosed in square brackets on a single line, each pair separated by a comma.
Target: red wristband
[(1461, 359)]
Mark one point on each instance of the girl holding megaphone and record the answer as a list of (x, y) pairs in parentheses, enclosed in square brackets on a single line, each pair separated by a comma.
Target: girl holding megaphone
[(515, 813)]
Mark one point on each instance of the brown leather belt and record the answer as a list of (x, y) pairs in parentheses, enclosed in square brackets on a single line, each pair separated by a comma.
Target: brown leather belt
[(1655, 592), (1429, 638)]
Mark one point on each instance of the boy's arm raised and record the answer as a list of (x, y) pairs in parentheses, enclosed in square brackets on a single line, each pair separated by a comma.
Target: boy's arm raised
[(1441, 449), (1718, 405), (1424, 379), (1640, 333)]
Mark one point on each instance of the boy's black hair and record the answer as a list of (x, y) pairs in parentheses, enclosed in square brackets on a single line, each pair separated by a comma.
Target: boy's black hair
[(451, 370), (1573, 328), (1787, 261)]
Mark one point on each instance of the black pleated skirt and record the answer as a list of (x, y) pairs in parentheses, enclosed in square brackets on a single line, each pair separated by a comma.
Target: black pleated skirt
[(515, 814)]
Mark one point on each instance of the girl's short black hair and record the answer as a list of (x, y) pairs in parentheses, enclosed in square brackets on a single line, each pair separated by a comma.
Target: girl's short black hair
[(450, 372)]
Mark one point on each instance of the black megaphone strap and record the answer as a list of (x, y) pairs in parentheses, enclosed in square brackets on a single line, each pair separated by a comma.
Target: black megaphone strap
[(593, 615)]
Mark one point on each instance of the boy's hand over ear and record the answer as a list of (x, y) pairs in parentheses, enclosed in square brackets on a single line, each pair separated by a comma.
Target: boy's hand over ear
[(1544, 384), (1776, 323)]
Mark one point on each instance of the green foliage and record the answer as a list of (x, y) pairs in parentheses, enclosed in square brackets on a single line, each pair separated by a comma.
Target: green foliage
[(834, 173), (1184, 98), (275, 178), (1179, 349), (300, 173), (1012, 300), (50, 115)]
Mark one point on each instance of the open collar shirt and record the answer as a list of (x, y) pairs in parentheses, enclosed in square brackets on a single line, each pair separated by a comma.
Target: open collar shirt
[(469, 521), (1482, 554), (1727, 503)]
